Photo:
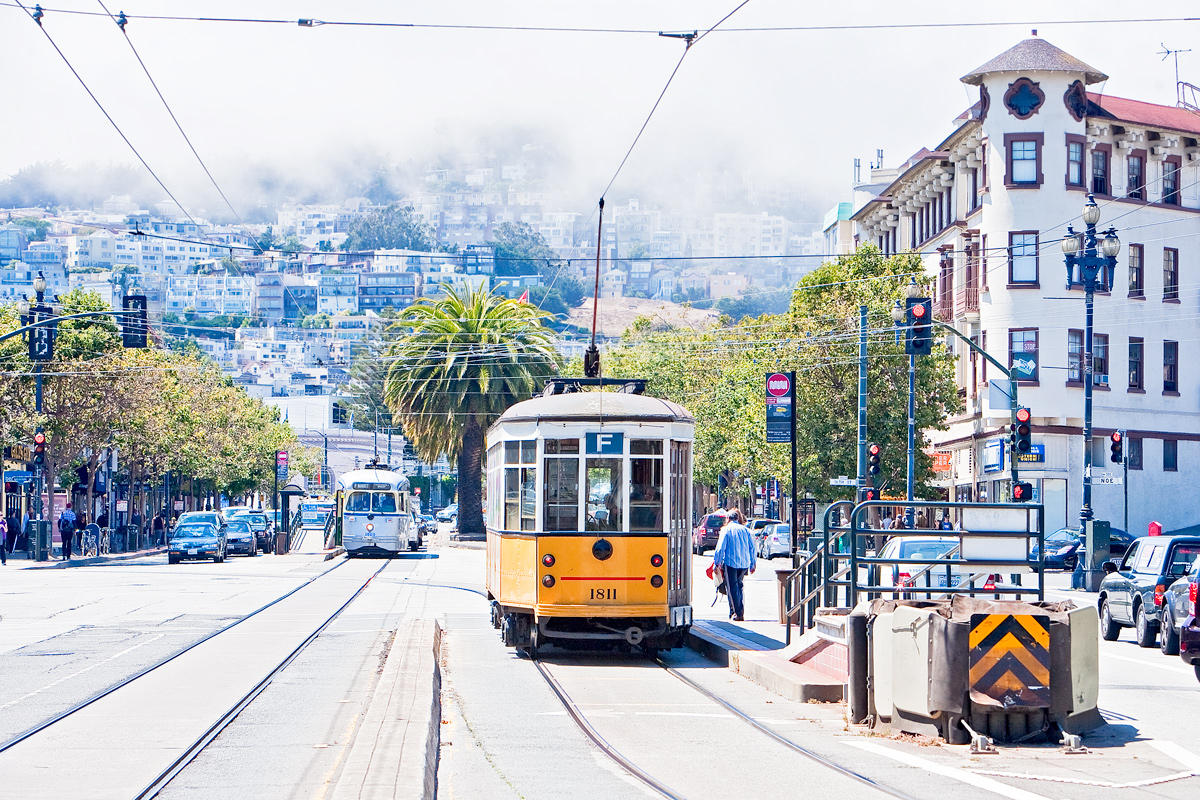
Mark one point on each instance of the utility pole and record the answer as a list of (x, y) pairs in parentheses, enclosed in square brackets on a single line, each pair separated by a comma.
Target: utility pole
[(862, 401)]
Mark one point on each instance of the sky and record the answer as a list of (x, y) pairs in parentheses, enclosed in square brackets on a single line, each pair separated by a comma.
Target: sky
[(776, 110)]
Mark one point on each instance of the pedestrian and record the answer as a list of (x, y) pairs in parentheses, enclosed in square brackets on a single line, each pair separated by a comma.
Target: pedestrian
[(3, 542), (66, 531), (135, 520), (157, 526), (735, 557), (1077, 581), (102, 520), (946, 524)]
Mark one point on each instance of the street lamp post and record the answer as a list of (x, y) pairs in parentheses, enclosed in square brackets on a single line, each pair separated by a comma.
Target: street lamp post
[(1089, 253), (898, 313)]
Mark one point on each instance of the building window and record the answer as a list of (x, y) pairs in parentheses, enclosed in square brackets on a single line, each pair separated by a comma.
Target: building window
[(1133, 452), (1024, 159), (1100, 171), (1137, 358), (1023, 343), (1135, 271), (1170, 184), (1136, 177), (1075, 163), (1170, 273), (1100, 359), (1023, 257), (1170, 455), (973, 188), (1075, 357), (1170, 366)]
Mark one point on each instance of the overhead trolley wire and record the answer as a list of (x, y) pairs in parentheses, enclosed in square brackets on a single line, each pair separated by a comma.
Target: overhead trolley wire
[(120, 23)]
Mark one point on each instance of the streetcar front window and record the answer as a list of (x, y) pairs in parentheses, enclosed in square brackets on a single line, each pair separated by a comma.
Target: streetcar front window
[(646, 494), (359, 502), (383, 503), (560, 493), (605, 507)]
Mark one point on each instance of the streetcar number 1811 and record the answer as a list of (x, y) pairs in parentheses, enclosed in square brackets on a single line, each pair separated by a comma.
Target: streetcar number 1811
[(603, 594)]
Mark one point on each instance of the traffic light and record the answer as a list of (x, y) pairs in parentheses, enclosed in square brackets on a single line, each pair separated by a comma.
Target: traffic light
[(1116, 446), (873, 453), (1020, 431), (39, 448), (918, 337), (133, 321), (867, 494), (1022, 492)]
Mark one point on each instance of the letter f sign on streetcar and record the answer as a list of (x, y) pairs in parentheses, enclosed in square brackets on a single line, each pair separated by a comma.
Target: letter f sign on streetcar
[(779, 407)]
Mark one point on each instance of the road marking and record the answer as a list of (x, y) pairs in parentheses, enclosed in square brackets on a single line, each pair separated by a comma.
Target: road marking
[(962, 775), (1026, 776), (89, 668), (1150, 663), (1177, 752)]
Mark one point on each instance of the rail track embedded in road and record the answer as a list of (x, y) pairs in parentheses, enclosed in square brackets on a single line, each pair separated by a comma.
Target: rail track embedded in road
[(195, 748), (82, 704)]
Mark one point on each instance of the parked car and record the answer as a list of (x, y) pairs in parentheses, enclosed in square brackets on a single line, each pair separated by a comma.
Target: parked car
[(1131, 594), (1062, 549), (259, 523), (426, 524), (776, 541), (196, 539), (448, 514), (706, 534), (212, 517), (758, 528), (1179, 632), (240, 538), (928, 548)]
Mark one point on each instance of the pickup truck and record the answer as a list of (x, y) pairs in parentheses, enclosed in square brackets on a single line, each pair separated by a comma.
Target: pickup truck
[(1131, 594)]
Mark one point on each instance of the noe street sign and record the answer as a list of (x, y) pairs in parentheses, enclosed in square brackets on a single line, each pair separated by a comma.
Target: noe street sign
[(780, 408)]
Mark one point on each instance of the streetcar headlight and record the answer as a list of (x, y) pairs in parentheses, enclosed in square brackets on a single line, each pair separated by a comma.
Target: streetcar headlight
[(370, 527), (656, 581), (547, 581), (656, 560), (548, 560)]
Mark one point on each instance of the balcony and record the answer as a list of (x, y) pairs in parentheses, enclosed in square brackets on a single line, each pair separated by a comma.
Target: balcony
[(966, 301), (943, 310)]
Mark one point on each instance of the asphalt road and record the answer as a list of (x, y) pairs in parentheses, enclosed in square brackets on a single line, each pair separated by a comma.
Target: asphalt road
[(66, 634)]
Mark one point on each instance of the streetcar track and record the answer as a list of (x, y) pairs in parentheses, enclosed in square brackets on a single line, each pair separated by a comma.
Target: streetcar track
[(82, 704), (193, 750)]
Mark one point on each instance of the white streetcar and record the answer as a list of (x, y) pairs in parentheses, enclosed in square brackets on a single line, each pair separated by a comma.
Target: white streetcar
[(374, 512)]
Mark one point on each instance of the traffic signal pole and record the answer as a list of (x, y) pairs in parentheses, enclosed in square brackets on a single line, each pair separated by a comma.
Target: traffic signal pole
[(862, 401)]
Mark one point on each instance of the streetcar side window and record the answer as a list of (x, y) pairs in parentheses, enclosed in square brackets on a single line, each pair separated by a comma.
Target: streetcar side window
[(359, 502), (605, 507), (520, 504), (560, 493), (646, 493), (561, 446)]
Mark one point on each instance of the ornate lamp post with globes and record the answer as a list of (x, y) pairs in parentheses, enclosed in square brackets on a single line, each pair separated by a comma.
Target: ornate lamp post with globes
[(1086, 254)]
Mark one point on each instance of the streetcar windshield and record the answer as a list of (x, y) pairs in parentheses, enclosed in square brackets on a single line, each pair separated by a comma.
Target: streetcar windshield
[(371, 502), (604, 494)]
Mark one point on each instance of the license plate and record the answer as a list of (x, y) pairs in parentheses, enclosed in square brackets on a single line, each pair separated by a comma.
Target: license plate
[(193, 552), (941, 581)]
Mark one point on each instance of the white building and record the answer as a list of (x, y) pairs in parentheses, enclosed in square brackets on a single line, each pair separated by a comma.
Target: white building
[(209, 294), (987, 208)]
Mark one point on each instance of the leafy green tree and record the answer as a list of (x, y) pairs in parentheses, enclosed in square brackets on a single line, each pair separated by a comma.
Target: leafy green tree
[(521, 250), (755, 304), (457, 364), (36, 229), (291, 246), (266, 241), (390, 228)]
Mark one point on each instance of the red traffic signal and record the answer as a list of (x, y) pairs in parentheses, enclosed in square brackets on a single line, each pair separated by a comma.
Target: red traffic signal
[(918, 311), (873, 459), (1116, 447), (1116, 437), (1023, 415), (39, 438), (874, 449), (1022, 492)]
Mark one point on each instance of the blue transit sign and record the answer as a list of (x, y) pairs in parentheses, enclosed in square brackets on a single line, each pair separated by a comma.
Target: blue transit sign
[(1036, 455), (993, 456), (780, 402), (17, 476), (605, 444)]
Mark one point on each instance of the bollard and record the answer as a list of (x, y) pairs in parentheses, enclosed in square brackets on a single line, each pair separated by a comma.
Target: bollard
[(281, 543), (856, 690)]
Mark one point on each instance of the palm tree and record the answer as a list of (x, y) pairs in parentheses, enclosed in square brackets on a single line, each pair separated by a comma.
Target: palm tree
[(455, 365)]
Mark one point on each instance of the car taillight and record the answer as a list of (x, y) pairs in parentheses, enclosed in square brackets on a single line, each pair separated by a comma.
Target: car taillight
[(990, 586), (904, 579), (1158, 594), (1192, 595)]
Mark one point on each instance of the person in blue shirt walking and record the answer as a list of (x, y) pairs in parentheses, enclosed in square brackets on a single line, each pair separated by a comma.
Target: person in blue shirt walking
[(735, 557)]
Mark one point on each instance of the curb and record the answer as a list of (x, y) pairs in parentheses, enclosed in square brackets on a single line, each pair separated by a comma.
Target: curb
[(396, 749), (87, 562), (335, 552), (767, 668)]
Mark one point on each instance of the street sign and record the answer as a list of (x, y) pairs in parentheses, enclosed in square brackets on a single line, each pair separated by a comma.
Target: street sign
[(122, 505), (993, 456), (779, 392), (1106, 478), (1024, 365), (843, 481), (281, 466), (178, 505), (18, 476), (1036, 455)]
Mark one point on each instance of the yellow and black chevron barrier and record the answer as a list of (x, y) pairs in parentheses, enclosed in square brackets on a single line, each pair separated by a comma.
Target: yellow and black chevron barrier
[(1009, 660)]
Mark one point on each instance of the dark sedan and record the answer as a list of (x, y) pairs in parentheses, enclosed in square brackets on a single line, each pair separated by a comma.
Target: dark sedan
[(258, 523), (198, 540), (240, 538), (1062, 549)]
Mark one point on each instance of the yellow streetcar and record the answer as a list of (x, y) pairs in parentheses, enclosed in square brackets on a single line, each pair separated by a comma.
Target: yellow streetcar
[(588, 517)]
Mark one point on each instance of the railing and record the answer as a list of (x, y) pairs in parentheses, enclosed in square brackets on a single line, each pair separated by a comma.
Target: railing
[(966, 301), (943, 309)]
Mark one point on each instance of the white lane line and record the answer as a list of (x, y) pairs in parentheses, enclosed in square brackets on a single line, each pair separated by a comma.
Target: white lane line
[(962, 775), (89, 668), (1152, 663), (1177, 752)]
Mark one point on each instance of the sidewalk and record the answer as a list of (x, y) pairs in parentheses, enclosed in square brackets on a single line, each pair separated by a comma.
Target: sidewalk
[(20, 561)]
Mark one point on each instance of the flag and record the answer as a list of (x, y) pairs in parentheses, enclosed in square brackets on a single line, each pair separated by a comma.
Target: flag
[(524, 297)]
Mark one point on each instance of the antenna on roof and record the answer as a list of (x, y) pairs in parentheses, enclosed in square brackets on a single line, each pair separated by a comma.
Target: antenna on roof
[(1166, 53), (857, 171), (879, 158)]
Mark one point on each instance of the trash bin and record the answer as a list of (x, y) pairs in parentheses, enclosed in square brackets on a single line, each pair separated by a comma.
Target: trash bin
[(281, 543), (42, 542)]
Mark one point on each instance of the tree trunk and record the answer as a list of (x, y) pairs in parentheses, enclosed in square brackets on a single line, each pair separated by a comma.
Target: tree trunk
[(470, 477)]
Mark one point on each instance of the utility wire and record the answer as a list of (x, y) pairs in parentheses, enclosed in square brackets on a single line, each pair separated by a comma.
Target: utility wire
[(103, 110), (121, 24)]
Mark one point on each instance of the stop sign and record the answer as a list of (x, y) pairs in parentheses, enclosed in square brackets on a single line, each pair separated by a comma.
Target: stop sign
[(779, 385)]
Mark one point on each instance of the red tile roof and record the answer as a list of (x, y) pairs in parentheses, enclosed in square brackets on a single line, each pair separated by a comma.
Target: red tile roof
[(1152, 115)]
